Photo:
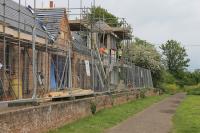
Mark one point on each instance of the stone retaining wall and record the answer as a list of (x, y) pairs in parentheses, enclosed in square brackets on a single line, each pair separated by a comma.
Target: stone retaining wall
[(41, 118)]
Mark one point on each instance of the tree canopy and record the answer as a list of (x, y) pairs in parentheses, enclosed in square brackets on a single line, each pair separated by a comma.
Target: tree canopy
[(144, 54), (175, 56), (99, 13)]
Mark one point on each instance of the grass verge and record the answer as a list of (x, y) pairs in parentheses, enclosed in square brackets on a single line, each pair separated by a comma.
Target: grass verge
[(108, 118), (187, 117)]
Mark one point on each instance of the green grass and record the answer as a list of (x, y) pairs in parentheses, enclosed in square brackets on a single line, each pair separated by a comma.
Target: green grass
[(187, 117), (108, 117)]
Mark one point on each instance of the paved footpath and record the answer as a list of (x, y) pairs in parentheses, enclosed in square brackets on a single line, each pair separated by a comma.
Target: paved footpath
[(155, 119)]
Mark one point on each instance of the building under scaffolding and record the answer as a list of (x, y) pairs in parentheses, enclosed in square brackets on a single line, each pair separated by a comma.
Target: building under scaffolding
[(42, 51)]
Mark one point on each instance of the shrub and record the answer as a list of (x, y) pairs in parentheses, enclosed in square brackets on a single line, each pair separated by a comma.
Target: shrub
[(170, 88), (193, 90), (142, 93), (168, 78), (138, 95), (112, 100), (93, 107)]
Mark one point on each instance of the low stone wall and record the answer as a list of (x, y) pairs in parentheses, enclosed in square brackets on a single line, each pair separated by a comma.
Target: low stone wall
[(52, 115)]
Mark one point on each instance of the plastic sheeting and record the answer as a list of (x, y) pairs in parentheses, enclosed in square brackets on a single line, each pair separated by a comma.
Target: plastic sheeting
[(59, 72), (53, 77)]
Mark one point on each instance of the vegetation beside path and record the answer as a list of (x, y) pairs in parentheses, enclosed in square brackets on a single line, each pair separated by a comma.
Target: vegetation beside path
[(108, 118), (187, 117)]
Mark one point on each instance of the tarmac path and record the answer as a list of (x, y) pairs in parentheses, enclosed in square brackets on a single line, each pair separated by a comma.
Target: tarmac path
[(155, 119)]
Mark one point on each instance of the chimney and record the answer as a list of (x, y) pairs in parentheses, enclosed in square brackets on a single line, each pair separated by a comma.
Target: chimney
[(51, 4)]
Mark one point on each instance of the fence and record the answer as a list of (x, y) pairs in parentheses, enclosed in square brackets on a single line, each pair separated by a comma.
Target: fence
[(119, 76)]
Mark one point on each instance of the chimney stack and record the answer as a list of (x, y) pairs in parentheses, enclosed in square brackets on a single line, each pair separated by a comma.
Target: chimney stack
[(51, 4)]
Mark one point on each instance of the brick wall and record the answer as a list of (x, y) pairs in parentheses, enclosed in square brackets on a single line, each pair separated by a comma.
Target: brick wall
[(49, 116), (77, 58)]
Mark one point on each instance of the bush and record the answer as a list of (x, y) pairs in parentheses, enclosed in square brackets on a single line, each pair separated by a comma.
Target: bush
[(193, 90), (93, 107), (170, 88), (168, 78), (142, 93)]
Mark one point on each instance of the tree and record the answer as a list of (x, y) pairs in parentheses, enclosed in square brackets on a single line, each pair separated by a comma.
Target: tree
[(144, 54), (99, 13), (192, 78), (175, 57), (196, 75)]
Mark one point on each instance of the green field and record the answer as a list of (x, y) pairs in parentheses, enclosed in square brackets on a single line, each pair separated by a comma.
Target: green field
[(187, 117), (108, 117)]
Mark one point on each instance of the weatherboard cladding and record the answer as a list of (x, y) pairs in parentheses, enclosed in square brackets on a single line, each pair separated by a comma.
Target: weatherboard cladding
[(51, 18), (26, 18)]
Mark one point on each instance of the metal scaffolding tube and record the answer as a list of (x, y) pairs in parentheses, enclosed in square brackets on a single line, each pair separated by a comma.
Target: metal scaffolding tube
[(70, 72), (19, 48), (4, 44), (34, 58)]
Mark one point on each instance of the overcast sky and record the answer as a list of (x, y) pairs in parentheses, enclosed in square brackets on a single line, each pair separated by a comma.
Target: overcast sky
[(154, 20)]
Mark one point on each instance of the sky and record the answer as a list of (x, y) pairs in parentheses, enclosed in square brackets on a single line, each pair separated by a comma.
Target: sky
[(155, 21)]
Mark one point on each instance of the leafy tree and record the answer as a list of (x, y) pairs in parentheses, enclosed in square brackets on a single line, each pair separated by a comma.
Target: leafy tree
[(175, 57), (168, 78), (99, 13), (196, 75), (191, 78), (144, 54)]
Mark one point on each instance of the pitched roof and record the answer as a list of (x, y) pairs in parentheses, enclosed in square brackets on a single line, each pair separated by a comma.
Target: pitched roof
[(51, 18), (26, 18), (101, 25)]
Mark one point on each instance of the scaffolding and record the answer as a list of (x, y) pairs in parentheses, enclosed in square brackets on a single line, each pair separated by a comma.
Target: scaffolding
[(26, 52), (108, 73), (31, 54)]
